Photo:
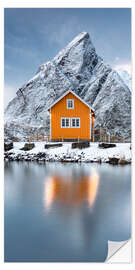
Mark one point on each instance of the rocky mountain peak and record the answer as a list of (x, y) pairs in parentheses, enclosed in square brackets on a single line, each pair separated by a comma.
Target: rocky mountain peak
[(80, 41)]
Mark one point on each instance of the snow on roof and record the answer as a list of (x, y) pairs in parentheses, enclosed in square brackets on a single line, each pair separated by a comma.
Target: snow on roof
[(67, 92)]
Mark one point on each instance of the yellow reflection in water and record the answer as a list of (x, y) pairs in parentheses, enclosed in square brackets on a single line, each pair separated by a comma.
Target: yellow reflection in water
[(69, 191), (93, 187)]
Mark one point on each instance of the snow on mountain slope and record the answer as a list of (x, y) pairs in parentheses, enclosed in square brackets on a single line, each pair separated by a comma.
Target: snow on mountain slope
[(125, 77), (78, 68)]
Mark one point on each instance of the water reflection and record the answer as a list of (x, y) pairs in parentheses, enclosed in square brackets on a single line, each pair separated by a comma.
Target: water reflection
[(65, 212), (71, 191)]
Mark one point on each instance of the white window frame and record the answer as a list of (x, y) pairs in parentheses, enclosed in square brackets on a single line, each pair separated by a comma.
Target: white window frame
[(65, 121), (70, 108), (75, 122)]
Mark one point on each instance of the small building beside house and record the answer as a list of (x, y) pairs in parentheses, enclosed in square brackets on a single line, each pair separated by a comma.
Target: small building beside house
[(71, 118)]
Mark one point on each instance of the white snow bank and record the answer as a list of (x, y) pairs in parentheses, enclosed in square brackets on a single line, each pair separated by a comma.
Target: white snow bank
[(92, 153)]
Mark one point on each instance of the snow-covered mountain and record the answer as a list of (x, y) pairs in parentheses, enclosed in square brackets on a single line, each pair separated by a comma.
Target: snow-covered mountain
[(125, 77), (78, 68)]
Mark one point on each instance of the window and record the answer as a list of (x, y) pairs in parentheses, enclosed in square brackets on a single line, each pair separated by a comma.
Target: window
[(78, 122), (70, 122), (65, 122), (70, 104), (75, 122)]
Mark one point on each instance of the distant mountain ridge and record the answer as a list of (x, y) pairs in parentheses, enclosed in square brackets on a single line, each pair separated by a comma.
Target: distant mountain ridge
[(78, 68)]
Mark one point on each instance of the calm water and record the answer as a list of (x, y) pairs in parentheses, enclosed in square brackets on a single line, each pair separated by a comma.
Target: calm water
[(58, 212)]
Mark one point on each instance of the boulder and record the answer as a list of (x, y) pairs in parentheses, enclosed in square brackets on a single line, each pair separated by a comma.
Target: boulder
[(80, 145), (47, 146), (113, 160), (8, 146), (28, 146), (123, 161), (106, 145)]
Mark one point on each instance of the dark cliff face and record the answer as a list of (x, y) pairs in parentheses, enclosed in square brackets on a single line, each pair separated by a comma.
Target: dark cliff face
[(78, 68)]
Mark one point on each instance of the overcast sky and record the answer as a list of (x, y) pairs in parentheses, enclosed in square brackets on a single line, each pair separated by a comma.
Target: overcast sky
[(34, 36)]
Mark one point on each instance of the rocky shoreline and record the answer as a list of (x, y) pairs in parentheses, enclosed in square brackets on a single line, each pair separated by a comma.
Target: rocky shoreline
[(64, 157)]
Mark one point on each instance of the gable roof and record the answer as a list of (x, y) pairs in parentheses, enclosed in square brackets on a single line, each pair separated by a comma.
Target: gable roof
[(67, 92)]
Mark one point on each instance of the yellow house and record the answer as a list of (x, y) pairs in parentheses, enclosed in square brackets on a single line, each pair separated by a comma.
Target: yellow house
[(71, 118)]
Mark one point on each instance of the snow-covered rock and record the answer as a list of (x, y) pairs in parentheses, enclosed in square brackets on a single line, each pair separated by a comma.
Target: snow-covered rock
[(78, 68)]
